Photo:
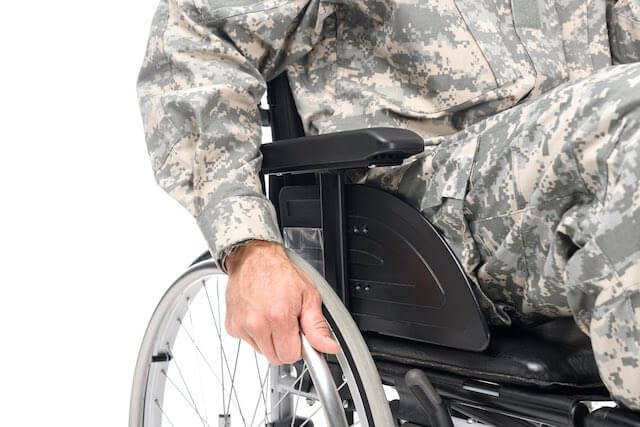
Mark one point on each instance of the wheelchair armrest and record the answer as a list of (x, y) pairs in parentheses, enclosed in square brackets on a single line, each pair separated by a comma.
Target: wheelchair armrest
[(341, 150)]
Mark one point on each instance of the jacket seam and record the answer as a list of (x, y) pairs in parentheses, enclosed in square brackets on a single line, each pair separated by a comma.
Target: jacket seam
[(173, 145), (475, 40), (214, 20), (628, 18), (172, 148), (522, 210)]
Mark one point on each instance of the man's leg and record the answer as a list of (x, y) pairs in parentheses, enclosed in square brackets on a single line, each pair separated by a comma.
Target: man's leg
[(603, 287), (541, 204)]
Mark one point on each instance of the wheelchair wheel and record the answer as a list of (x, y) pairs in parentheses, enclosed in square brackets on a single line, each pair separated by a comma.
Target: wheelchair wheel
[(190, 372)]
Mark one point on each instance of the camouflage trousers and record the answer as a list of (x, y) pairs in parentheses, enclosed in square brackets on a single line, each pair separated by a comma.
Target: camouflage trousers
[(541, 203)]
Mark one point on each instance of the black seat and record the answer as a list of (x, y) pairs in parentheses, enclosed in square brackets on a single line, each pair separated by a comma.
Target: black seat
[(553, 354)]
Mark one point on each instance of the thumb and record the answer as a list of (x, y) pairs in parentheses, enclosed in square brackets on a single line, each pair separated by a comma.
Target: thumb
[(313, 325)]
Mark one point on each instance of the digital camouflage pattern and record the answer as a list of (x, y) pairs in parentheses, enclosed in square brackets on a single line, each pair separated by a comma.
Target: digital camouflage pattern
[(532, 157)]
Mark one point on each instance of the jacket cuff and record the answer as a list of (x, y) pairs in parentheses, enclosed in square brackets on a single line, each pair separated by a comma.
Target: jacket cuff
[(236, 220)]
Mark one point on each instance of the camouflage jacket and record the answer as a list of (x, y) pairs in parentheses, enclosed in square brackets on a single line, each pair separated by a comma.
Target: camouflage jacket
[(431, 66)]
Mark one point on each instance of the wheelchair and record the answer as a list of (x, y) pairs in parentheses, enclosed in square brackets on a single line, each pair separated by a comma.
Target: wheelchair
[(416, 349)]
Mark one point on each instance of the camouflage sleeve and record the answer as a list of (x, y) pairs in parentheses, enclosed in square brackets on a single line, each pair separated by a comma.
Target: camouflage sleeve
[(203, 75), (623, 21)]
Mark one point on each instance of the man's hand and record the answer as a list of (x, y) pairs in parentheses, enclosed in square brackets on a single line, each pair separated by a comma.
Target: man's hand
[(269, 300)]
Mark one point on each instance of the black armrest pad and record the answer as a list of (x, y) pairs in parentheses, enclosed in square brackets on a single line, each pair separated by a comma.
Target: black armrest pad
[(341, 150)]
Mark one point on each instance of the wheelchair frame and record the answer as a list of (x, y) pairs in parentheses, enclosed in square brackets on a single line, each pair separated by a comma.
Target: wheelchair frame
[(307, 186)]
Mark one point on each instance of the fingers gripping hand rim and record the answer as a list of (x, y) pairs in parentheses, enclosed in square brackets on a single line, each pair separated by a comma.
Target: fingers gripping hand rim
[(271, 300), (315, 327)]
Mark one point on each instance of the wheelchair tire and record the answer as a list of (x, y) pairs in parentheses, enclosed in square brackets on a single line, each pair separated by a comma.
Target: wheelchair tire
[(361, 386)]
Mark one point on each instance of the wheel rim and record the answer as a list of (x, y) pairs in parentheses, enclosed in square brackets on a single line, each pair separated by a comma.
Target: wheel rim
[(209, 387)]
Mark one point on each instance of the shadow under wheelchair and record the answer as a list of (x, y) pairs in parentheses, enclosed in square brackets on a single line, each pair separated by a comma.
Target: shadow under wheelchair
[(396, 299)]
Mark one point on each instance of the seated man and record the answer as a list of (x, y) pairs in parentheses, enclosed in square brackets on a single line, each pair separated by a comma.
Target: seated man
[(530, 170)]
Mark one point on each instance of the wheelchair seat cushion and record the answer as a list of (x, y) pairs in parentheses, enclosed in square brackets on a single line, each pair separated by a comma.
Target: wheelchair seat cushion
[(553, 354)]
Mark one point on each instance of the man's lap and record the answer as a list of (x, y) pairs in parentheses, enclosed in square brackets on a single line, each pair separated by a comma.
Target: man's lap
[(517, 194)]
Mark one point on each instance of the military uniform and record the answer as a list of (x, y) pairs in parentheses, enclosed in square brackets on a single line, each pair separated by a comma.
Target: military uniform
[(532, 156)]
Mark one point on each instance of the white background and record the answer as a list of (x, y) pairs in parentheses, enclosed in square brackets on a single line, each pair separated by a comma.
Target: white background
[(88, 242)]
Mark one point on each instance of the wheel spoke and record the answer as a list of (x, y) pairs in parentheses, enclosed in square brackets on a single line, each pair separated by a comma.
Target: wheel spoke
[(223, 359), (235, 395), (198, 364), (233, 379), (262, 395), (224, 354), (181, 393), (299, 378), (175, 361), (220, 341), (204, 358), (295, 408), (166, 417), (318, 409)]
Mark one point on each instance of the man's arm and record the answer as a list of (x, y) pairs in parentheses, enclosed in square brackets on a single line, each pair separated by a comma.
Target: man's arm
[(623, 22), (202, 78)]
